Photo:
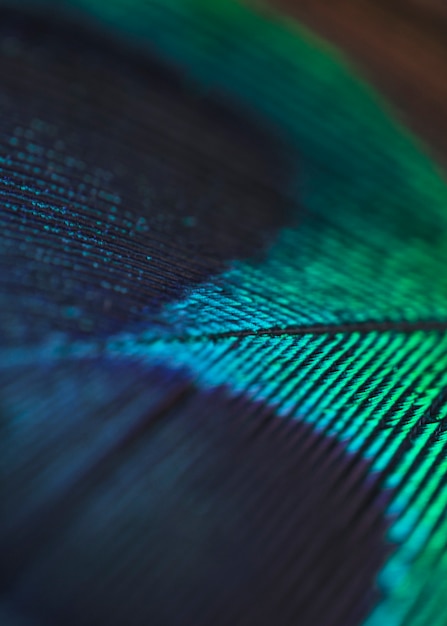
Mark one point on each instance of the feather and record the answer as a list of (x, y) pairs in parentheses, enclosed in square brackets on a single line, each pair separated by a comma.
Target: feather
[(223, 314)]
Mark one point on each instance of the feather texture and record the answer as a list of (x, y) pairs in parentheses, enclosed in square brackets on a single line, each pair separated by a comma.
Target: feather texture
[(223, 315)]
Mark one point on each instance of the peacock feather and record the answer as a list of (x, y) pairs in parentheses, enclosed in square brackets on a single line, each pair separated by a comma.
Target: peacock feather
[(223, 314)]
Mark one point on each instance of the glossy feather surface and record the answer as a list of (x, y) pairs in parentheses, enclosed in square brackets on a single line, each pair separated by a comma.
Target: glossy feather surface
[(223, 313)]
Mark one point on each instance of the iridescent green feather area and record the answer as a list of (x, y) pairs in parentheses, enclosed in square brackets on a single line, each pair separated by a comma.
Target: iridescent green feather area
[(342, 322)]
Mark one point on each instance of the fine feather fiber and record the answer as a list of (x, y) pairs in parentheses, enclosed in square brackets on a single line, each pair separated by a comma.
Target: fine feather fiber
[(223, 315)]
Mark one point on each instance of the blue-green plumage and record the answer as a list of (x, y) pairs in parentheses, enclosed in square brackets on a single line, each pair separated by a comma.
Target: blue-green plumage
[(223, 313)]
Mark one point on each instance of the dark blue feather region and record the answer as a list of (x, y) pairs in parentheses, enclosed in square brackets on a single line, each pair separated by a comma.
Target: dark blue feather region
[(142, 500), (121, 185)]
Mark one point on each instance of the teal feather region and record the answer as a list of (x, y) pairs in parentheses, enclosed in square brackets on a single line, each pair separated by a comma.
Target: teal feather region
[(342, 324)]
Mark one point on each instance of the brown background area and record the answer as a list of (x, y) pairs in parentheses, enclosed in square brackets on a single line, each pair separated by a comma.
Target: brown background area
[(399, 45)]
